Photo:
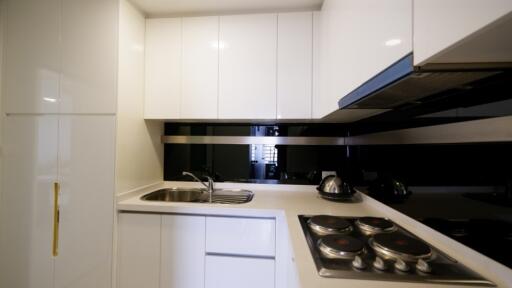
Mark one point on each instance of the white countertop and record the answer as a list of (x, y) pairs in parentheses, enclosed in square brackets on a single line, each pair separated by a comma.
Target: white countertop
[(288, 201)]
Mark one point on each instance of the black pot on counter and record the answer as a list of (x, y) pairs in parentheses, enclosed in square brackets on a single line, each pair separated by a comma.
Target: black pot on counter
[(388, 189), (334, 188)]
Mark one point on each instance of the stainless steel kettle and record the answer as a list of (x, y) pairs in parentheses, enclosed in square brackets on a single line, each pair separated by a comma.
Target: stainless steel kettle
[(388, 190), (334, 188)]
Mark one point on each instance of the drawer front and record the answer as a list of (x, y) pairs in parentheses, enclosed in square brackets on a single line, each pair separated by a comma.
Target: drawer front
[(237, 272), (241, 236)]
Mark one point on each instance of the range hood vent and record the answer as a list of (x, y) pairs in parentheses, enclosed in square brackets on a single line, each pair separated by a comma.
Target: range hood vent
[(402, 83)]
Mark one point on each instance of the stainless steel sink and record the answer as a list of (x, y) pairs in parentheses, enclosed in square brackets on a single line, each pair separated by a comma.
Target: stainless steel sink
[(175, 195), (219, 196), (232, 196)]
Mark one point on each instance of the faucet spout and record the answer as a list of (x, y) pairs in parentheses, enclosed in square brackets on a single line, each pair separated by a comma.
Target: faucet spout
[(209, 186)]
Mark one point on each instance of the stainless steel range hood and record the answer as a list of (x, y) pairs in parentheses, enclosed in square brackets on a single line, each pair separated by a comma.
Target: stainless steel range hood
[(404, 83)]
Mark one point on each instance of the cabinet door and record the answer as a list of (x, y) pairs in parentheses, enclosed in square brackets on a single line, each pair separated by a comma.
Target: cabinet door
[(89, 56), (26, 206), (315, 113), (183, 241), (32, 56), (241, 236), (139, 250), (163, 68), (294, 65), (359, 40), (236, 272), (247, 66), (454, 21), (200, 68), (86, 172)]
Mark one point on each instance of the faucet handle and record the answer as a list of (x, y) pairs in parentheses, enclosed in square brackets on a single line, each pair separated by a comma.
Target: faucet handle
[(210, 184)]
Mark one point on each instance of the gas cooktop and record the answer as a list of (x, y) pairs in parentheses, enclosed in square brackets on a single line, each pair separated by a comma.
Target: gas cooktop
[(377, 249)]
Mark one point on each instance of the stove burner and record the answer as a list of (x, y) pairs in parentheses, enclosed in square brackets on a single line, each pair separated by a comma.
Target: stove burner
[(399, 246), (374, 225), (394, 256), (325, 225), (340, 246)]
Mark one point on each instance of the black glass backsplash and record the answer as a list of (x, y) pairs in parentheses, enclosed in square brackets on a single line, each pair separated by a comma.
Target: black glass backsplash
[(416, 165), (233, 163)]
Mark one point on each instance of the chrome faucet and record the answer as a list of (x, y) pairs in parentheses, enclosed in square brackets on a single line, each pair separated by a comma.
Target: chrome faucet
[(208, 186)]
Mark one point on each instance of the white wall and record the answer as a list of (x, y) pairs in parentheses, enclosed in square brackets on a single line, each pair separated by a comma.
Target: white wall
[(139, 153)]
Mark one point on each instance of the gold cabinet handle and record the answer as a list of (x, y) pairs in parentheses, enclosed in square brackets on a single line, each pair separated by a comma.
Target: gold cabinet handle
[(55, 242)]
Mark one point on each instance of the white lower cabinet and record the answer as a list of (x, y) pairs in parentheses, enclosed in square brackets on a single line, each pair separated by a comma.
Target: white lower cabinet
[(241, 236), (138, 250), (195, 251), (182, 254), (236, 272)]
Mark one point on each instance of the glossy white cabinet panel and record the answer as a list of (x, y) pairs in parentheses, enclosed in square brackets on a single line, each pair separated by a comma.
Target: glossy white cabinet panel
[(136, 138), (236, 272), (26, 211), (138, 250), (200, 68), (359, 40), (89, 56), (316, 65), (182, 254), (247, 66), (32, 56), (294, 65), (86, 172), (241, 236), (455, 20), (163, 68)]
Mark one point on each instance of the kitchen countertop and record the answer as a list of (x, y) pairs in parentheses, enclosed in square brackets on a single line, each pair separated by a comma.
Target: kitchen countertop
[(286, 202)]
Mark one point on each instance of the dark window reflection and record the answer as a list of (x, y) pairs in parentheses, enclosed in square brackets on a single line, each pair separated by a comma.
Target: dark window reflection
[(254, 163)]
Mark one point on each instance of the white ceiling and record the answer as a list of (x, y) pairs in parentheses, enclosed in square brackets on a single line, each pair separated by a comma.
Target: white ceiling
[(156, 8)]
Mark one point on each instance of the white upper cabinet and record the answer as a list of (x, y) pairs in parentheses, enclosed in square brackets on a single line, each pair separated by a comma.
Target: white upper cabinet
[(32, 68), (89, 56), (59, 59), (230, 67), (163, 68), (247, 66), (440, 26), (294, 65), (315, 113), (200, 68), (359, 39)]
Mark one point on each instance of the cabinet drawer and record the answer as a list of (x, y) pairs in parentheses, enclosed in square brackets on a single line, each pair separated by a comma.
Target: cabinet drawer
[(235, 272), (240, 236)]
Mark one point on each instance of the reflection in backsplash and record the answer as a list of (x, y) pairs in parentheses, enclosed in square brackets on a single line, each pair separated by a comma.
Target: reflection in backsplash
[(253, 163)]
